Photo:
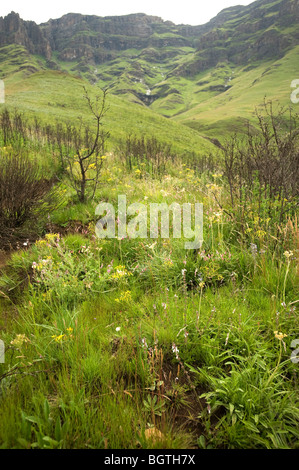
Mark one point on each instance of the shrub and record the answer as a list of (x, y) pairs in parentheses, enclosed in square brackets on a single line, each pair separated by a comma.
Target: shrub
[(25, 197), (262, 170)]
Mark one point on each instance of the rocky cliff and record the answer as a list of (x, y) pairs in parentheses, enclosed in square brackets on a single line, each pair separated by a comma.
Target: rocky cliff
[(13, 30), (143, 55), (237, 34)]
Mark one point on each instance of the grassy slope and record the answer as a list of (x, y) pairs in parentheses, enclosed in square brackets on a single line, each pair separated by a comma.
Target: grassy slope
[(82, 334), (57, 95), (98, 345), (224, 111)]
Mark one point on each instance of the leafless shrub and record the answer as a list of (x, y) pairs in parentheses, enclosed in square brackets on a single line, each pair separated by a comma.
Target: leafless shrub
[(148, 152), (262, 169), (25, 197)]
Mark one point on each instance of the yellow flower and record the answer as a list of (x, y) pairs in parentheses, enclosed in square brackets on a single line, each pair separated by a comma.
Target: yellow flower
[(41, 243), (120, 271), (50, 237), (279, 335), (125, 297), (58, 338)]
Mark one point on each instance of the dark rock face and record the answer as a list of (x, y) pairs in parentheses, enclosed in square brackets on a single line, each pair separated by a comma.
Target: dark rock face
[(238, 34), (96, 38), (13, 30)]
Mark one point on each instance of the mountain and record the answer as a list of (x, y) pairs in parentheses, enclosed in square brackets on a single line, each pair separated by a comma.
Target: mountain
[(179, 71)]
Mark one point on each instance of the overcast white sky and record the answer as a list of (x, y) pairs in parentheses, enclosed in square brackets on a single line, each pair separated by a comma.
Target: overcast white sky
[(192, 12)]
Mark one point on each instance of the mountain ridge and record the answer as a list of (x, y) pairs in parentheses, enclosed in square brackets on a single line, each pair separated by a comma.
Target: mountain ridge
[(176, 70), (74, 35)]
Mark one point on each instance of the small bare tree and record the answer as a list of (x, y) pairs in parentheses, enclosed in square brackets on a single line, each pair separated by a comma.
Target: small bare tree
[(84, 161)]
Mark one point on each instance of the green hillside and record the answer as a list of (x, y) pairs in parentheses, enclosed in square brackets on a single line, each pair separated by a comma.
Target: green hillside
[(149, 278), (56, 95), (248, 88), (208, 78)]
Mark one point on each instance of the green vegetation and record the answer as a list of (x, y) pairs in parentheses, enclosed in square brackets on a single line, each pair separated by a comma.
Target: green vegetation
[(55, 95), (140, 343)]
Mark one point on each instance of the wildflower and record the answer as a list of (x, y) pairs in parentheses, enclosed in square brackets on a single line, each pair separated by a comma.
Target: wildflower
[(50, 237), (117, 328), (152, 246), (279, 335), (175, 350), (19, 340), (41, 243), (253, 248), (260, 233), (58, 338), (125, 297), (120, 272), (288, 254)]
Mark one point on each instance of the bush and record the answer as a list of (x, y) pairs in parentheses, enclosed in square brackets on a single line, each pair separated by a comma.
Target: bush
[(25, 198), (262, 171)]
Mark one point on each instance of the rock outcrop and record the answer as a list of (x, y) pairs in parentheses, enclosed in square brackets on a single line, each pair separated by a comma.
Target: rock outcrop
[(13, 30), (262, 30)]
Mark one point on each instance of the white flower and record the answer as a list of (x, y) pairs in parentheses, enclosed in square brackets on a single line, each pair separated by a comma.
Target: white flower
[(117, 329)]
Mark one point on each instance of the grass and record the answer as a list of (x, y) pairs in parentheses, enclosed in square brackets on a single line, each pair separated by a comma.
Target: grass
[(217, 114), (35, 94), (139, 343), (132, 344), (209, 103)]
